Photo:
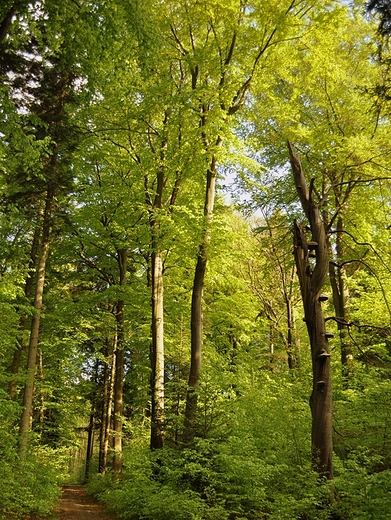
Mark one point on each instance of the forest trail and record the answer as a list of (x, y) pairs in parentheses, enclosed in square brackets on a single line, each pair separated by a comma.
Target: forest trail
[(75, 504)]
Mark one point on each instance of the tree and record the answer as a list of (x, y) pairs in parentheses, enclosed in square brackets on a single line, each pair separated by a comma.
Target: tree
[(274, 23), (312, 279), (271, 276), (25, 423)]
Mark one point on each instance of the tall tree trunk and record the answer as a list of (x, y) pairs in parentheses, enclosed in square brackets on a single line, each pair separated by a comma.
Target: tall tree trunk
[(107, 397), (157, 352), (90, 428), (119, 368), (196, 306), (28, 291), (312, 279), (108, 391), (157, 294), (25, 423), (90, 446), (40, 376)]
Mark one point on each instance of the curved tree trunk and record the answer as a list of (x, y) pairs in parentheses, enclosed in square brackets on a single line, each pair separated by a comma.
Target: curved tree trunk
[(25, 423), (312, 277)]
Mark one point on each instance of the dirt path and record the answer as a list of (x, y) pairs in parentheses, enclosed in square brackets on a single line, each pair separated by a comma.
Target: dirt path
[(77, 505)]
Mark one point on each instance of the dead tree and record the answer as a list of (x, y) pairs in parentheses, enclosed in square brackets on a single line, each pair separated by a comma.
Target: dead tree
[(312, 263)]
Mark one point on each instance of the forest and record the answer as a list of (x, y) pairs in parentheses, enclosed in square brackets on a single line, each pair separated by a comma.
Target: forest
[(195, 261)]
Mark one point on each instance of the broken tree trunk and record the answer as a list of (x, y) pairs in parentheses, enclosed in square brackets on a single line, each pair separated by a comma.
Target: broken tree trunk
[(312, 275)]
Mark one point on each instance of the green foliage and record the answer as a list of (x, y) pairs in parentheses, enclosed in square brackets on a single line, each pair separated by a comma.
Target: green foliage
[(149, 87), (258, 465), (256, 469), (360, 493), (29, 485)]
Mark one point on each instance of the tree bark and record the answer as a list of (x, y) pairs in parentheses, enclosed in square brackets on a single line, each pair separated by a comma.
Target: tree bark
[(157, 293), (28, 290), (196, 306), (157, 352), (312, 278), (25, 423), (339, 300), (90, 446), (108, 391), (119, 368), (7, 20), (290, 329)]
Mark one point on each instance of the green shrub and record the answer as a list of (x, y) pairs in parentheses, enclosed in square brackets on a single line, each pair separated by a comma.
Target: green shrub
[(29, 485)]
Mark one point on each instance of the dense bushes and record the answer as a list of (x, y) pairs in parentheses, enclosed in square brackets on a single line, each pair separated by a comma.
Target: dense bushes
[(256, 467), (28, 485)]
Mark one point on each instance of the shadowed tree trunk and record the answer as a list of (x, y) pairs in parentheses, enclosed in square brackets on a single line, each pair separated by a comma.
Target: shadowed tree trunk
[(90, 446), (336, 271), (196, 307), (312, 275), (25, 423), (119, 368), (28, 291), (108, 388), (157, 290), (7, 20)]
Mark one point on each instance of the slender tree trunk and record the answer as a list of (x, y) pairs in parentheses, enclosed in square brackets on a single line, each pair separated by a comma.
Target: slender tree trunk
[(90, 446), (157, 352), (40, 377), (28, 291), (106, 407), (25, 423), (107, 410), (157, 296), (103, 415), (119, 369), (290, 329), (336, 272), (196, 306), (312, 278)]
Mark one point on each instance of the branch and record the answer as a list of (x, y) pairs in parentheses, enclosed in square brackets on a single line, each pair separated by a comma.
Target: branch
[(178, 41), (95, 266), (359, 181), (367, 244), (241, 94), (375, 275)]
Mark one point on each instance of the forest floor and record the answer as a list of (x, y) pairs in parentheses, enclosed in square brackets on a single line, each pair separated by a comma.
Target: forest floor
[(75, 504)]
